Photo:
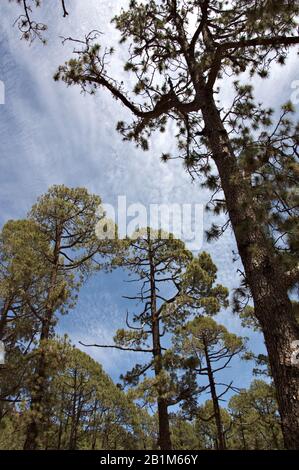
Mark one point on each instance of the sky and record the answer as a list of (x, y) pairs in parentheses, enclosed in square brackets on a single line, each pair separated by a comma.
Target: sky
[(52, 134)]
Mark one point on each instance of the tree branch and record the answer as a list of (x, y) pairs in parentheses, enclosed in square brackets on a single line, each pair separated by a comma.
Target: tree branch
[(243, 43), (204, 10), (115, 347)]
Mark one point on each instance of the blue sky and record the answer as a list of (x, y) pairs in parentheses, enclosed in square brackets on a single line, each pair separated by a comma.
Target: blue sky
[(51, 134)]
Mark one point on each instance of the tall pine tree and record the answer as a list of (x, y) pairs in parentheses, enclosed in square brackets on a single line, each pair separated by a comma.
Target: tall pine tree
[(181, 52)]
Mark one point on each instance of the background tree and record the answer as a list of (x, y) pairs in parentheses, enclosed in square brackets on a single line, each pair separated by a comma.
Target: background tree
[(81, 407), (67, 218), (180, 50), (86, 410), (169, 280), (207, 348), (23, 280), (90, 410), (184, 434), (206, 428), (256, 422)]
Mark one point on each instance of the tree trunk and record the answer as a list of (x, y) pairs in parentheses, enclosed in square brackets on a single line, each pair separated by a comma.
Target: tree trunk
[(163, 416), (264, 275), (164, 429), (94, 427), (72, 439), (34, 427), (3, 316), (220, 435)]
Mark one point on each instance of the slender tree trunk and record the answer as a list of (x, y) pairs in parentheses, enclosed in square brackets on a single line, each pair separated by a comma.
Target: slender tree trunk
[(220, 435), (59, 435), (94, 427), (163, 416), (72, 439), (61, 413), (267, 282), (3, 322)]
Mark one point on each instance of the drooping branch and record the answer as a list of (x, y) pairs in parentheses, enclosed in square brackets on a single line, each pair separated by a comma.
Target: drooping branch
[(292, 276)]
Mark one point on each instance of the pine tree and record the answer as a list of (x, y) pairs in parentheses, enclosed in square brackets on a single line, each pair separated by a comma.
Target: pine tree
[(178, 69), (67, 219), (23, 280), (184, 435), (208, 348), (84, 409), (256, 422), (206, 428), (169, 281)]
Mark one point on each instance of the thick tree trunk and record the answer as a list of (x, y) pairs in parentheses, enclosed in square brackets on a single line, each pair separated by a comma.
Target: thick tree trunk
[(220, 435), (267, 283)]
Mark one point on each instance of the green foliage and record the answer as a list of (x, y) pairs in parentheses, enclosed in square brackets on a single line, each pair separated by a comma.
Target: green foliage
[(204, 348), (205, 426), (205, 332), (85, 409), (43, 261), (184, 434), (256, 422), (68, 217), (180, 53)]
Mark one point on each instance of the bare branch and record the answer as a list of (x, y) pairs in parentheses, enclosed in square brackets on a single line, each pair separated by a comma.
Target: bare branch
[(113, 346)]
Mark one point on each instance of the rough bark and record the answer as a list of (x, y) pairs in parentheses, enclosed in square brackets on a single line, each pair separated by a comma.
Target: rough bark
[(267, 283)]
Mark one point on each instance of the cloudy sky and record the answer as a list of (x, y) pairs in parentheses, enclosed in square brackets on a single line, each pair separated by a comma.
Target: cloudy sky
[(51, 134)]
